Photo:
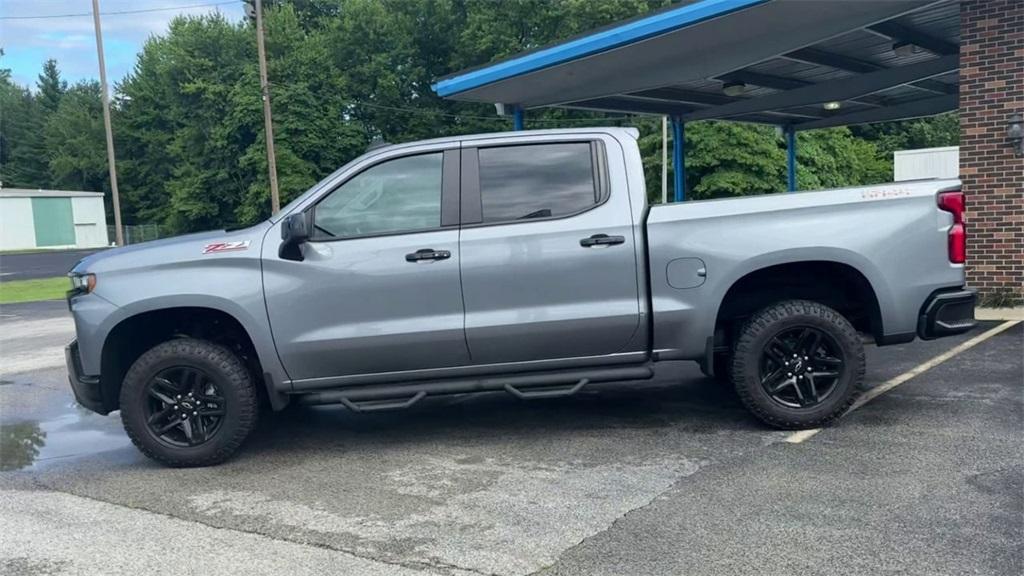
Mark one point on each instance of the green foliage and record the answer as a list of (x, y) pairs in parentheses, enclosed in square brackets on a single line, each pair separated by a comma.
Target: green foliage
[(188, 119), (50, 86), (22, 150), (941, 130), (833, 158), (75, 145), (726, 159)]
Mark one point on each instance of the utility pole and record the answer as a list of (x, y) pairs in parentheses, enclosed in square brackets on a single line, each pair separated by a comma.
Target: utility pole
[(275, 200), (119, 234)]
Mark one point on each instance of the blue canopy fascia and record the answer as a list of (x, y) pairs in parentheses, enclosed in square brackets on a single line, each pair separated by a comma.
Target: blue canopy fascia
[(608, 39)]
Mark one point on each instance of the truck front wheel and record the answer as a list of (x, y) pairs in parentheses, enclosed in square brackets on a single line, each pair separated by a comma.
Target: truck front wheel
[(188, 402), (798, 364)]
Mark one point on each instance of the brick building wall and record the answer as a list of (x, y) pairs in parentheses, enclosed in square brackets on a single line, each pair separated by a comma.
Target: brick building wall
[(991, 91)]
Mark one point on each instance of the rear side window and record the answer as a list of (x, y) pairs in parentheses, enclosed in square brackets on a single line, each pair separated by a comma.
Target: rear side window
[(538, 180)]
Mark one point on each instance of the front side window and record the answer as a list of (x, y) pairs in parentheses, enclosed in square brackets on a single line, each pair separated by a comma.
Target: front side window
[(537, 181), (400, 195)]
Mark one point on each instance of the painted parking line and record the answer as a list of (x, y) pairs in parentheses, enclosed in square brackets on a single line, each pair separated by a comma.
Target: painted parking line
[(803, 435)]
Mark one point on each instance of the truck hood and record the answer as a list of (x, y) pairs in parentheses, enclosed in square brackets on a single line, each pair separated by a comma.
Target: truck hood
[(168, 251)]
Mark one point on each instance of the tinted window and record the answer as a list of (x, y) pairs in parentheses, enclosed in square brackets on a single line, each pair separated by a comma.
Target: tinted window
[(536, 181), (395, 196)]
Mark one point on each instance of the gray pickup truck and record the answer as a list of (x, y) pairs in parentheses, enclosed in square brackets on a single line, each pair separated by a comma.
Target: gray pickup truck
[(526, 262)]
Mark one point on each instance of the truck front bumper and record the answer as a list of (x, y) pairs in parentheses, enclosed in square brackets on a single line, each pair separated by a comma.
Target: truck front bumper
[(86, 388), (947, 313)]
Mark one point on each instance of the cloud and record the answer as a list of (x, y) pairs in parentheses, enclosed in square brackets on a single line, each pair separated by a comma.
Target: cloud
[(27, 43)]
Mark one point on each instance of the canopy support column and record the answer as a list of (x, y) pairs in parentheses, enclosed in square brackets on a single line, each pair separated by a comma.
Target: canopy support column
[(678, 159), (518, 118), (790, 159)]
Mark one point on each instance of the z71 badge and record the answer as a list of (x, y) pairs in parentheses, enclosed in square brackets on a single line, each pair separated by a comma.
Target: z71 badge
[(226, 246)]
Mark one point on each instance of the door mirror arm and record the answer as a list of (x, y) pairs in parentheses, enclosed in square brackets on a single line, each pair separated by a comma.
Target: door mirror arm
[(295, 229)]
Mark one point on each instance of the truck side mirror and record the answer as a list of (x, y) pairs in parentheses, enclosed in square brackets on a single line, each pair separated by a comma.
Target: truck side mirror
[(295, 230)]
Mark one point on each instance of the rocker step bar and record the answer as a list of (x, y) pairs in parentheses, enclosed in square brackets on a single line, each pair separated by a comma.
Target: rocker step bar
[(523, 386)]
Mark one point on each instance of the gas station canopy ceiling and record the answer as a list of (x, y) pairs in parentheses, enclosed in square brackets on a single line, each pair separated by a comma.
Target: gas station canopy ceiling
[(798, 63)]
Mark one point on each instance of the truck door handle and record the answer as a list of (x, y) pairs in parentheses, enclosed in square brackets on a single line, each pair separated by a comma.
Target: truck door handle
[(601, 240), (428, 254)]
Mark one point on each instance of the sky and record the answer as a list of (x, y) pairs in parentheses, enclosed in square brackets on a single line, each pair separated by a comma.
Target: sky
[(28, 41)]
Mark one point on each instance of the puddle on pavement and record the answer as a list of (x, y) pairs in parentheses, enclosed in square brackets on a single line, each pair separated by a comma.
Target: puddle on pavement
[(76, 432)]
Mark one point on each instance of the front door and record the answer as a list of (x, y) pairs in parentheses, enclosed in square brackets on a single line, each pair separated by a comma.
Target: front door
[(549, 265), (378, 289)]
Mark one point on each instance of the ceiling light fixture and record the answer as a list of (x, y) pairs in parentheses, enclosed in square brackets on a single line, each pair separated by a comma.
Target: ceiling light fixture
[(905, 49), (831, 105), (734, 88)]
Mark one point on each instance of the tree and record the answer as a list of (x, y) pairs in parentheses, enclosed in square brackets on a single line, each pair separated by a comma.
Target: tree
[(725, 159), (50, 87), (834, 158), (941, 130), (22, 152), (730, 159), (178, 125), (75, 142), (314, 134)]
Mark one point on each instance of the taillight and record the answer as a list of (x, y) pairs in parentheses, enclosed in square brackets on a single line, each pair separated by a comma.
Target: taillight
[(953, 202)]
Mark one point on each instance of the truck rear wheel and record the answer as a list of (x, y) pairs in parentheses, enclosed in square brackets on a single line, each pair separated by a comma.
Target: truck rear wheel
[(798, 364), (188, 402)]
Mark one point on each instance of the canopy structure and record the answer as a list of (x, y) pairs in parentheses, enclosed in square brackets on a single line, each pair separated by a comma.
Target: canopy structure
[(798, 64)]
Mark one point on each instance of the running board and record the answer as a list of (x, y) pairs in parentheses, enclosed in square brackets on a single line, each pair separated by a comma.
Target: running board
[(375, 405), (524, 386), (546, 392)]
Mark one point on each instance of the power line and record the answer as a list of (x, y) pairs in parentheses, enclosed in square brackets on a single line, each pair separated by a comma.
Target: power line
[(119, 12)]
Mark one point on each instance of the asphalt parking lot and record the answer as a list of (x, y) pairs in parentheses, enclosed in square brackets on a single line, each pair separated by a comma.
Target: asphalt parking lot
[(663, 477), (39, 264)]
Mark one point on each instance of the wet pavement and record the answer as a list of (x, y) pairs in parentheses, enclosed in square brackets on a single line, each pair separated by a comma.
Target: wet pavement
[(73, 433), (669, 476)]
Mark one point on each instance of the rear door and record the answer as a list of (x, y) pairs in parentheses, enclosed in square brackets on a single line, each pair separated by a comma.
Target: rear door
[(549, 265)]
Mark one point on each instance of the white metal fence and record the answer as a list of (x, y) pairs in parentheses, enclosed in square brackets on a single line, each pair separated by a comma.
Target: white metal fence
[(926, 163)]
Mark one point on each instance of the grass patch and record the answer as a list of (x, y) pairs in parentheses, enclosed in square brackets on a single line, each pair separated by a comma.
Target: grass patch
[(33, 290)]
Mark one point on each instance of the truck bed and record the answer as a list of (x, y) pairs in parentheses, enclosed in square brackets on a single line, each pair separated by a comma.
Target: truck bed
[(893, 234)]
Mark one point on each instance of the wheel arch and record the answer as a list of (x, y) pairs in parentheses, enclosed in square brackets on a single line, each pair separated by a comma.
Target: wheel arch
[(145, 324), (838, 278)]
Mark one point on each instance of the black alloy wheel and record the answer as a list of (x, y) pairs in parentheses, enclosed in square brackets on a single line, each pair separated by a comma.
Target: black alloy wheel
[(801, 366), (185, 407)]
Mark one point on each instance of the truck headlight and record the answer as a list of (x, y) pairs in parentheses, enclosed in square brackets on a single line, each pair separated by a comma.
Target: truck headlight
[(82, 283)]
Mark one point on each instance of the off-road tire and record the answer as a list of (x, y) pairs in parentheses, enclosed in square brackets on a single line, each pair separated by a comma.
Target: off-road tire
[(774, 319), (241, 405)]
